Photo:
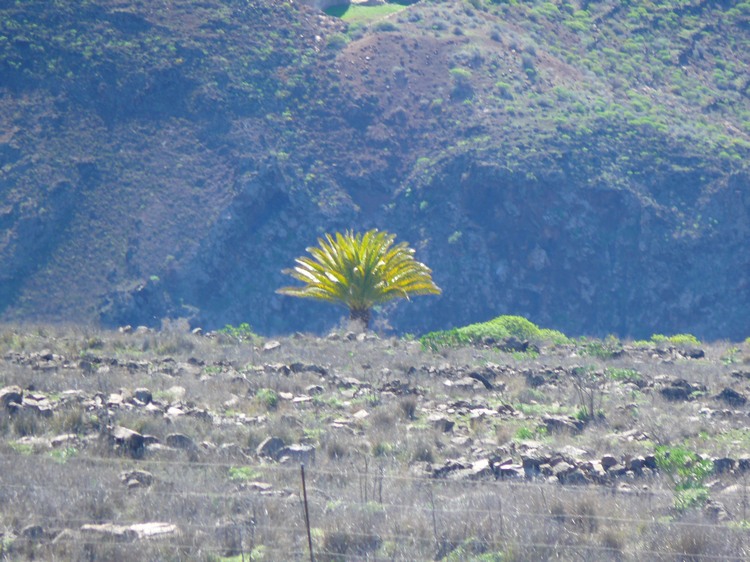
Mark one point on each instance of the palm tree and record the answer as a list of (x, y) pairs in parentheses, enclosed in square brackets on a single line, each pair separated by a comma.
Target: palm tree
[(360, 271)]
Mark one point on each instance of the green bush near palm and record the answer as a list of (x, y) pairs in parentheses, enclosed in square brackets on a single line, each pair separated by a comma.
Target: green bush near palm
[(498, 328), (360, 271)]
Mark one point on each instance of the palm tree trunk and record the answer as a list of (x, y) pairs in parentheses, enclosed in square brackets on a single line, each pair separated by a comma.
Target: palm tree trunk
[(361, 315)]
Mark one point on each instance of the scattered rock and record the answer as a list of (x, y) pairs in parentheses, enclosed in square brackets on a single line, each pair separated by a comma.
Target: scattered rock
[(302, 454), (481, 378), (11, 395), (562, 423), (680, 390), (180, 441), (143, 395), (270, 447), (130, 533), (128, 441), (136, 478), (271, 345), (716, 511), (608, 461), (732, 397), (724, 465), (441, 422), (33, 532)]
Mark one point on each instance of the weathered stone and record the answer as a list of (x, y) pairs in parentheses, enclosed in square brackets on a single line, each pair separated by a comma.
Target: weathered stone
[(716, 511), (637, 464), (511, 472), (694, 353), (314, 389), (531, 464), (574, 477), (441, 422), (732, 397), (143, 395), (481, 378), (66, 440), (302, 454), (481, 469), (129, 441), (608, 461), (271, 345), (136, 478), (117, 533), (681, 390), (33, 532), (561, 469), (724, 465), (121, 533), (11, 395), (270, 447), (180, 441), (450, 465), (562, 423)]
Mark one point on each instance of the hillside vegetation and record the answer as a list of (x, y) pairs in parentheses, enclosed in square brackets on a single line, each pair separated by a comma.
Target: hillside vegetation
[(583, 164)]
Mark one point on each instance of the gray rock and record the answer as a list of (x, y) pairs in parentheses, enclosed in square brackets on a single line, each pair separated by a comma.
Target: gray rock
[(180, 441), (732, 397), (532, 463), (562, 423), (574, 477), (33, 532), (724, 465), (716, 512), (481, 469), (303, 454), (441, 422), (143, 395), (128, 441), (136, 478), (511, 472), (608, 461), (11, 395), (130, 533), (270, 447)]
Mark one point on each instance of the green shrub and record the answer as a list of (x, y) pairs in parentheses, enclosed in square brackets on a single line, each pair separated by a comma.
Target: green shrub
[(602, 349), (679, 340), (499, 328), (687, 473), (268, 397), (240, 333)]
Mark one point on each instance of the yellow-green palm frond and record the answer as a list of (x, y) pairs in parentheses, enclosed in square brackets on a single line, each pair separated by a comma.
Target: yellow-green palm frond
[(360, 271)]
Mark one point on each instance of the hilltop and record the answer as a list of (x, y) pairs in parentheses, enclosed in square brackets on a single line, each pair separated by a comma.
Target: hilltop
[(582, 164)]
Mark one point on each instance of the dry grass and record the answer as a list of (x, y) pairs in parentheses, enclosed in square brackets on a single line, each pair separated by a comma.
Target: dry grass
[(370, 495)]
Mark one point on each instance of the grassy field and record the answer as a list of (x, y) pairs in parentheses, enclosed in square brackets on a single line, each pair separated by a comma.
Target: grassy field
[(356, 13), (569, 451)]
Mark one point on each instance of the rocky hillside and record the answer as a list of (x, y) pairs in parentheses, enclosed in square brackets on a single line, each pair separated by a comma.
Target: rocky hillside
[(579, 163), (144, 445)]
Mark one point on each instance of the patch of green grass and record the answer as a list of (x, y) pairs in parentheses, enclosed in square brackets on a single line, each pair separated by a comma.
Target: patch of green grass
[(243, 473), (623, 375), (363, 14), (62, 455), (22, 448)]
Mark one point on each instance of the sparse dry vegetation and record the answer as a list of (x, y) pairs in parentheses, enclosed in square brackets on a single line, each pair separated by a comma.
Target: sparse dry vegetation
[(408, 455)]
